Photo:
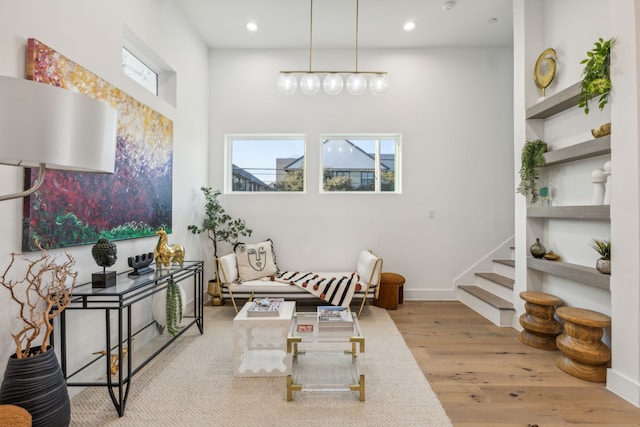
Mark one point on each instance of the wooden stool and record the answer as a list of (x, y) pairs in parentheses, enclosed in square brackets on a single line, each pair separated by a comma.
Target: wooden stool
[(12, 415), (391, 291), (583, 354), (540, 327)]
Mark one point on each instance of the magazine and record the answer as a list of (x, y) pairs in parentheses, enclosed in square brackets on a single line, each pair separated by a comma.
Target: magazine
[(334, 316), (265, 307)]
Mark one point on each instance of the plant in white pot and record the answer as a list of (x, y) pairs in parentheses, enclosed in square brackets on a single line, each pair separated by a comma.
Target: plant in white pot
[(33, 378), (219, 227), (603, 247)]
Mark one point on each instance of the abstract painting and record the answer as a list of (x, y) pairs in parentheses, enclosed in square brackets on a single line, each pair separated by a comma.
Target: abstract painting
[(76, 208)]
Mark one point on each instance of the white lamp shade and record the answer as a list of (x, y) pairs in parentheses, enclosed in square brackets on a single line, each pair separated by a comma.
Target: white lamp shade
[(333, 84), (287, 83), (356, 84), (309, 83), (378, 84), (62, 129)]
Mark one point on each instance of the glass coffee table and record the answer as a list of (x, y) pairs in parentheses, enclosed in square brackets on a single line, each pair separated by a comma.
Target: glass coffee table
[(325, 358)]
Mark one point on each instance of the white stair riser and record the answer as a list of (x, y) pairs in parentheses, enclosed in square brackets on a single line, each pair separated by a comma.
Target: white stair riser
[(503, 318), (494, 288), (504, 270)]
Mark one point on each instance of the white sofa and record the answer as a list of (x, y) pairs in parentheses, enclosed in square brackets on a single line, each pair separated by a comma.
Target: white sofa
[(368, 267)]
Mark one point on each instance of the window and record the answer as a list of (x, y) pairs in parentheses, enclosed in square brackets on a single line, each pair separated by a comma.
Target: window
[(145, 67), (361, 163), (139, 71), (257, 163)]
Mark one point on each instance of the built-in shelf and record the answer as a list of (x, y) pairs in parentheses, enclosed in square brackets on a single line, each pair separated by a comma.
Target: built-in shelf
[(574, 272), (597, 212), (583, 150), (556, 103)]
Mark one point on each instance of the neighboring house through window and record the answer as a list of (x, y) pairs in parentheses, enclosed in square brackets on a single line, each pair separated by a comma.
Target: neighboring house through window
[(360, 163), (258, 163)]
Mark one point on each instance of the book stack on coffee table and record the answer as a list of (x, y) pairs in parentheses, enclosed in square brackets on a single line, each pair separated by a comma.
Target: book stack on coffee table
[(334, 318), (265, 307)]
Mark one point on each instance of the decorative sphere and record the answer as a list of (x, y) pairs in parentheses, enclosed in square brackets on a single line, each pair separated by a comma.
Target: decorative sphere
[(104, 253), (378, 84), (333, 84), (309, 83), (356, 84), (287, 83)]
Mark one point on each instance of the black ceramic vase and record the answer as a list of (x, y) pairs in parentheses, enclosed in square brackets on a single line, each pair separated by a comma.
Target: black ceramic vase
[(36, 384)]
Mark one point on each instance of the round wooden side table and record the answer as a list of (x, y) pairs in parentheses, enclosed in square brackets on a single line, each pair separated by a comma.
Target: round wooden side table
[(540, 326), (583, 355)]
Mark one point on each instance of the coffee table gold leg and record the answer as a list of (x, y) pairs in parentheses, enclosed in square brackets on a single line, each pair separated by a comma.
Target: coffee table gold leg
[(359, 387), (291, 387)]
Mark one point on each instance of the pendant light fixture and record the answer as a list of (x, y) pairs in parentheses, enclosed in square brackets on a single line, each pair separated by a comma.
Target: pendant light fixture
[(333, 82)]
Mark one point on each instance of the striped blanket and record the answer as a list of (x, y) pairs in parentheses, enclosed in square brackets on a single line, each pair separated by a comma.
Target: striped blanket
[(336, 290)]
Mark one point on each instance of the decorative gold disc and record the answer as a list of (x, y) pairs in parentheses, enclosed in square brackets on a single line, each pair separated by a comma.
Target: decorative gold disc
[(545, 69)]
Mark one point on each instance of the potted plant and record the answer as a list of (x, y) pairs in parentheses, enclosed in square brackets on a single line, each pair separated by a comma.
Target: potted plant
[(532, 157), (595, 76), (33, 378), (603, 247), (219, 227)]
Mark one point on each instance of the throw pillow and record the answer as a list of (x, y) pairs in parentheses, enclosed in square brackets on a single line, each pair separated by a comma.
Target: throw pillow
[(256, 260)]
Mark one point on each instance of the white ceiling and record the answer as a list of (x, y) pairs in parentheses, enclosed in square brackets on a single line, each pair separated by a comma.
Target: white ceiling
[(285, 23)]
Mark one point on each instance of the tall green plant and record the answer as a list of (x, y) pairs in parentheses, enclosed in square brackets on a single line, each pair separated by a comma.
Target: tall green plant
[(217, 224), (531, 158), (595, 76)]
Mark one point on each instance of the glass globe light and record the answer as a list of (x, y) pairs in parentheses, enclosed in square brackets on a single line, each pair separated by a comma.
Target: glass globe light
[(287, 83), (309, 84), (333, 84), (356, 84), (378, 84)]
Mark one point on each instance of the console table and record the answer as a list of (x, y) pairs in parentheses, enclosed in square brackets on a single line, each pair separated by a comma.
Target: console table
[(123, 356)]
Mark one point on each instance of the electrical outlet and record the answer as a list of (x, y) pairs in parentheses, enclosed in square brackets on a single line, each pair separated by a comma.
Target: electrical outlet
[(431, 213)]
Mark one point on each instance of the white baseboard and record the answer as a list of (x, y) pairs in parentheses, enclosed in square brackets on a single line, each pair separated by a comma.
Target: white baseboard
[(623, 386)]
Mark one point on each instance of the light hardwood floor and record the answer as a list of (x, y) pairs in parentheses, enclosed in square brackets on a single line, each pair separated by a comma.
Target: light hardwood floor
[(484, 376)]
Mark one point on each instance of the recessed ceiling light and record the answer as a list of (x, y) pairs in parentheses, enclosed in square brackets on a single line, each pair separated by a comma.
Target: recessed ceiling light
[(448, 5), (409, 26), (252, 26), (493, 20)]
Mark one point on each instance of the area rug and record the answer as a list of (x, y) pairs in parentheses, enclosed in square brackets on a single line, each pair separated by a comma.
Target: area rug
[(192, 384)]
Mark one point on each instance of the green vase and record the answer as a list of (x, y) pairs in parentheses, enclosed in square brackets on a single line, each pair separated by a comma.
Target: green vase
[(537, 249)]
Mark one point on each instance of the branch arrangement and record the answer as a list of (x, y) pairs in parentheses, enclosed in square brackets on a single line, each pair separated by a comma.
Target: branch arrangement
[(43, 293)]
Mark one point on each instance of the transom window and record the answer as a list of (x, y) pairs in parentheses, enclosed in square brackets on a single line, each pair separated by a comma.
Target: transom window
[(361, 163), (139, 72), (257, 163)]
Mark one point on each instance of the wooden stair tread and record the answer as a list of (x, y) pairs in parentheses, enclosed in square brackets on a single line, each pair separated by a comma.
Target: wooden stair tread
[(487, 297), (509, 262), (498, 278)]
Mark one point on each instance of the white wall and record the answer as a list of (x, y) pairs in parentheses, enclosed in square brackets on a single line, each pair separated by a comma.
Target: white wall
[(571, 27), (91, 34), (453, 107)]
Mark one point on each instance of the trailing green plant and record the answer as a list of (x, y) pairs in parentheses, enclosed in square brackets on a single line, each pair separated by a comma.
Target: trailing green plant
[(174, 308), (603, 247), (531, 158), (596, 80)]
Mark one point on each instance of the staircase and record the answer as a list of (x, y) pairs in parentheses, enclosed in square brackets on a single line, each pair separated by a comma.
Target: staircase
[(492, 293)]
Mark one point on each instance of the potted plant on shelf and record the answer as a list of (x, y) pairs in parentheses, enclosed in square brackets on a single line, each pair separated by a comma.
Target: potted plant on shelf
[(33, 378), (219, 227), (603, 247), (596, 80), (532, 157)]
